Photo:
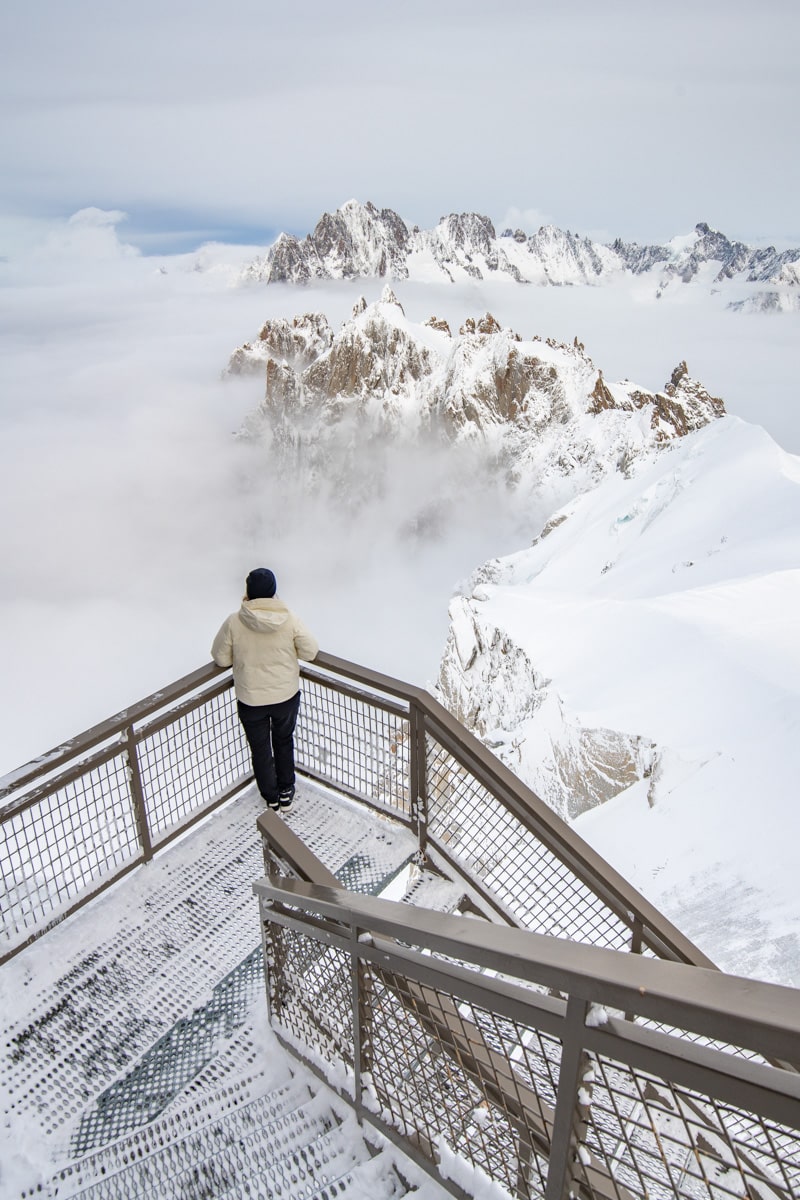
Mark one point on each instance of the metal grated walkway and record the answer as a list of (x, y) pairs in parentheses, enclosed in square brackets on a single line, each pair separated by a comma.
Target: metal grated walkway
[(136, 1055)]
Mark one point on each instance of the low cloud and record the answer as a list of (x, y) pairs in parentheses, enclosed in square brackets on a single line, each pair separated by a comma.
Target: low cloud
[(89, 234), (529, 220), (134, 512)]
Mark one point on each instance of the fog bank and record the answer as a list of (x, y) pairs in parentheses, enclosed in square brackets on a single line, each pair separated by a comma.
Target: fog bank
[(133, 512)]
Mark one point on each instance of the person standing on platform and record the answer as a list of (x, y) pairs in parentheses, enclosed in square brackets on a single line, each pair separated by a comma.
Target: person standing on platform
[(264, 642)]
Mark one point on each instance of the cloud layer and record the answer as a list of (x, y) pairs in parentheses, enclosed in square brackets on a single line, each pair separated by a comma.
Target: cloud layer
[(133, 513), (638, 119)]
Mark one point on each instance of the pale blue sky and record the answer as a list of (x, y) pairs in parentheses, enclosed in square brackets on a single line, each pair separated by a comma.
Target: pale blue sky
[(236, 120)]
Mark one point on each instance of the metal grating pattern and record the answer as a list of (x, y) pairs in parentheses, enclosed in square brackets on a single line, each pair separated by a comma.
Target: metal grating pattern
[(354, 743), (76, 833), (310, 988), (543, 893), (64, 844), (149, 1161), (365, 853), (285, 1144), (114, 989), (444, 1068), (173, 1062), (195, 758), (661, 1140), (132, 1051)]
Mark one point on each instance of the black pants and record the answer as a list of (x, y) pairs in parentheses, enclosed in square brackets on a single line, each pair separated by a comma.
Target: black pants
[(269, 729)]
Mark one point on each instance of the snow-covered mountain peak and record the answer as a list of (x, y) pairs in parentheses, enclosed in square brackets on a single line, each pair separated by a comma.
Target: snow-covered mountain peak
[(365, 241), (355, 241), (296, 343), (388, 297), (539, 409), (467, 231), (683, 406)]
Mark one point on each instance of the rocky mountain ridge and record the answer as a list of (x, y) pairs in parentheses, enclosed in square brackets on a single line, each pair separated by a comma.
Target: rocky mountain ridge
[(363, 241), (538, 413)]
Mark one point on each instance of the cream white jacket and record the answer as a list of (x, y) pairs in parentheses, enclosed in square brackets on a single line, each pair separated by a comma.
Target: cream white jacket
[(263, 642)]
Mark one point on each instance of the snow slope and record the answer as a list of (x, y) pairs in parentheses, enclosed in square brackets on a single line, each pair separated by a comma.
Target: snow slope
[(639, 667)]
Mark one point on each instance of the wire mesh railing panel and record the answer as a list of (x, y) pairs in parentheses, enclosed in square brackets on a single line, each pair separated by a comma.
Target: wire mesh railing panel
[(63, 844), (440, 1068), (354, 744), (543, 893), (311, 995), (701, 1040), (185, 765), (660, 1140)]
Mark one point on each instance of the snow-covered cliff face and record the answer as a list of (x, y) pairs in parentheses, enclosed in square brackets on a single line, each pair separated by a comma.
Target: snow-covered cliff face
[(491, 684), (352, 242), (537, 413), (363, 241), (296, 343), (639, 667)]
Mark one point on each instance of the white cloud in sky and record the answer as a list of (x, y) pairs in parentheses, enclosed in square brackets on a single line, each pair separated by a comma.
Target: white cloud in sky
[(638, 118), (90, 234), (529, 220)]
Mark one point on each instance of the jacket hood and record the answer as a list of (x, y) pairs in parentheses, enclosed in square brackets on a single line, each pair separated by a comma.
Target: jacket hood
[(263, 615)]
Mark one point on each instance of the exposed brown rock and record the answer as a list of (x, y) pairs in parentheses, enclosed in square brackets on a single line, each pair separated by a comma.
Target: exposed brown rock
[(600, 397), (487, 324), (440, 324), (297, 342), (373, 361)]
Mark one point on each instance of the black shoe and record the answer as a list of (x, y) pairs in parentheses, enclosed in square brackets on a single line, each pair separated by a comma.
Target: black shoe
[(273, 804), (285, 799)]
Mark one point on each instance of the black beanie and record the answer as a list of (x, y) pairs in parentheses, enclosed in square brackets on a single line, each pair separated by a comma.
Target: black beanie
[(261, 584)]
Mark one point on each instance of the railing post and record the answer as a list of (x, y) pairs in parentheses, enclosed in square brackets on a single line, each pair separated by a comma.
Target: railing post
[(568, 1116), (137, 795), (637, 945), (418, 777), (359, 1042), (263, 907)]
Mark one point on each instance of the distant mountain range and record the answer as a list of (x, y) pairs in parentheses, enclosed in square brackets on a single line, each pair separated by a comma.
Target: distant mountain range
[(362, 241)]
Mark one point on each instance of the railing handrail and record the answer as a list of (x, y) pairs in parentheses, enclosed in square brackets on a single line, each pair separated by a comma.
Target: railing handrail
[(43, 764), (516, 795), (52, 759), (707, 1002)]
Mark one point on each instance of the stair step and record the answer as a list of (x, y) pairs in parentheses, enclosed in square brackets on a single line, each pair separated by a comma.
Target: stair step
[(364, 851), (311, 1170), (374, 1178), (427, 889), (267, 1149), (185, 1135)]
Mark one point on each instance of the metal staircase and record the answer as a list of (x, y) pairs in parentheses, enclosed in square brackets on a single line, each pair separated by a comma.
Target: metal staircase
[(142, 1048), (528, 1044)]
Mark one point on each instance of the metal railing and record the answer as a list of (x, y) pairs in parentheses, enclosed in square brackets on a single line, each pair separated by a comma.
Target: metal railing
[(80, 817), (551, 1066), (493, 1053), (74, 821), (396, 748)]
